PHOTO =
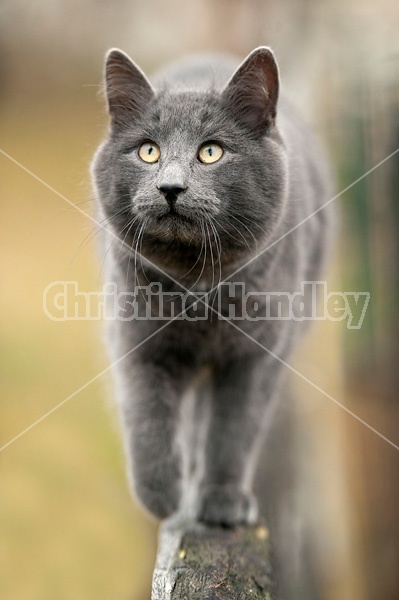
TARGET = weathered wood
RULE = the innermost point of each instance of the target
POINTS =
(210, 563)
(199, 562)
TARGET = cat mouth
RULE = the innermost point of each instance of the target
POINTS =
(175, 216)
(174, 225)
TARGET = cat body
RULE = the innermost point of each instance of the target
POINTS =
(204, 177)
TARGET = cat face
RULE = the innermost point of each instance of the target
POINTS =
(182, 169)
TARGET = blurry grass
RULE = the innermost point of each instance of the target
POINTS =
(70, 527)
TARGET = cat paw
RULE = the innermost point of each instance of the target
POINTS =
(227, 506)
(160, 498)
(159, 489)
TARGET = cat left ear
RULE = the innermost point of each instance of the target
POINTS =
(127, 88)
(252, 92)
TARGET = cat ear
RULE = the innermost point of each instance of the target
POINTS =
(252, 91)
(127, 88)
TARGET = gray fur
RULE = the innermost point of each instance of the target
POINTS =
(270, 177)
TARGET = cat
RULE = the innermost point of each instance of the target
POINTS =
(205, 176)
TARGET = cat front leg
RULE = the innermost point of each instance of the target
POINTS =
(241, 394)
(150, 418)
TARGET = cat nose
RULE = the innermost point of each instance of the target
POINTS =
(171, 192)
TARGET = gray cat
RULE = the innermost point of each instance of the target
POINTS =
(201, 179)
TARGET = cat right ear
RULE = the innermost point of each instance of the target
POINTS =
(127, 89)
(252, 92)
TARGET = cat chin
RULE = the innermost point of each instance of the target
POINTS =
(187, 263)
(173, 227)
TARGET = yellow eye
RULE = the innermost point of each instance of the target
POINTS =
(149, 152)
(210, 153)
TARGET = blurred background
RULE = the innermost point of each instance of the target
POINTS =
(68, 523)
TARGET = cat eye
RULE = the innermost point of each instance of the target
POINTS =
(210, 153)
(149, 152)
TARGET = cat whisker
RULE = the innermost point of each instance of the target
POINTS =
(249, 231)
(137, 253)
(219, 258)
(141, 250)
(128, 228)
(218, 246)
(232, 236)
(204, 258)
(198, 257)
(213, 266)
(211, 255)
(122, 242)
(91, 235)
(252, 222)
(134, 254)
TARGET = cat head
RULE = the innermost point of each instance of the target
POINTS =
(187, 173)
